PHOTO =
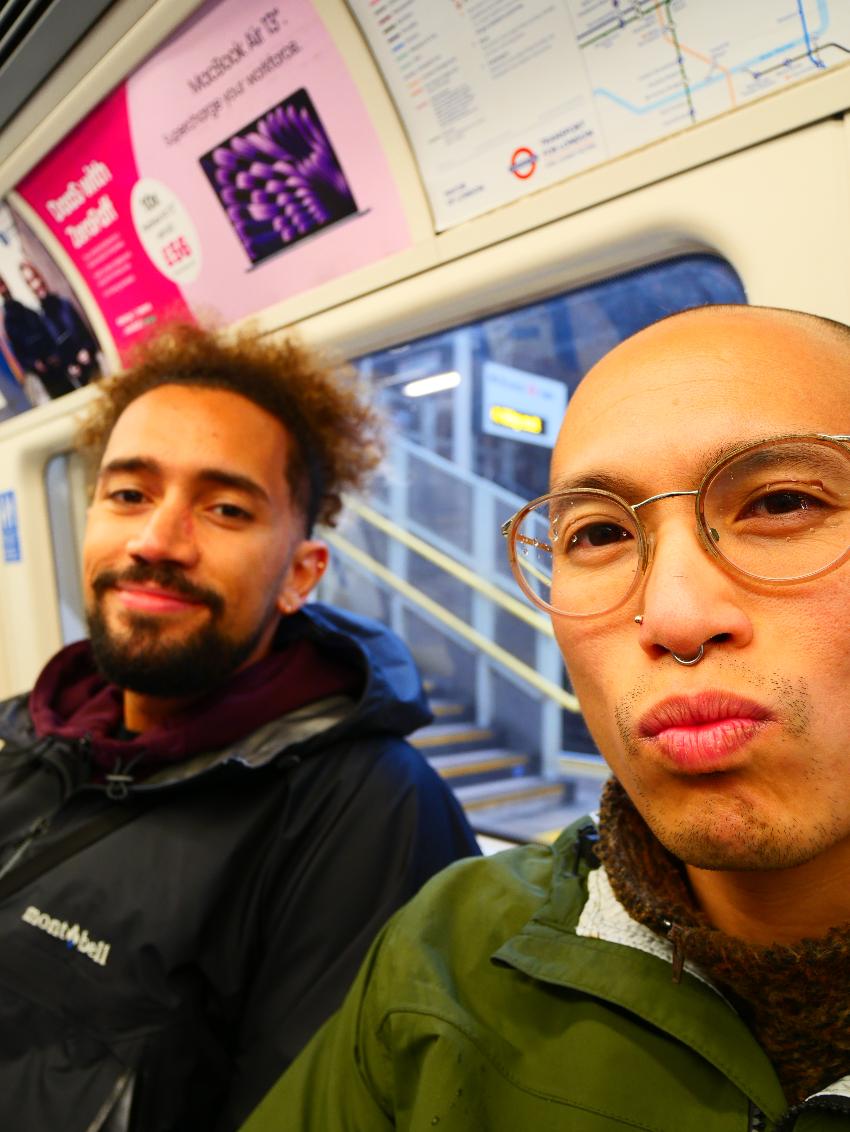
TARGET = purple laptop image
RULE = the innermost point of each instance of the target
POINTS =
(278, 178)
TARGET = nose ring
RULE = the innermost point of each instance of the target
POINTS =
(689, 660)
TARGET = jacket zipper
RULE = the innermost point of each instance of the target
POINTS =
(38, 828)
(757, 1121)
(41, 825)
(111, 1106)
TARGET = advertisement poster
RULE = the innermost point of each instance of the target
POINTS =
(235, 168)
(502, 97)
(47, 346)
(13, 400)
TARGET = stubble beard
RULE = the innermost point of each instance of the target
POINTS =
(140, 658)
(723, 832)
(728, 837)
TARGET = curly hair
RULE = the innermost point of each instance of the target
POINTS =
(336, 433)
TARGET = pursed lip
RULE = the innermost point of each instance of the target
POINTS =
(700, 733)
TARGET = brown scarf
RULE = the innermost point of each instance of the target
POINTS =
(795, 999)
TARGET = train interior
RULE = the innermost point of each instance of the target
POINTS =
(471, 315)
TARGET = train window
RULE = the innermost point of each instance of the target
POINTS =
(498, 421)
(475, 411)
(64, 480)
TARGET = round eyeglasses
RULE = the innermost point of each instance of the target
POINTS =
(776, 511)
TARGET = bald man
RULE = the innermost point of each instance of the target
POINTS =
(681, 961)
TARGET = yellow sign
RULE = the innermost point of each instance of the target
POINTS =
(516, 421)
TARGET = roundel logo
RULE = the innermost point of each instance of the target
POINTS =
(523, 162)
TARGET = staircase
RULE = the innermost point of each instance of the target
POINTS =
(505, 797)
(426, 557)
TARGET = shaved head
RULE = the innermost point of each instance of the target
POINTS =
(817, 323)
(693, 355)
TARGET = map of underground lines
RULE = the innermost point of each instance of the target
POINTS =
(502, 97)
(657, 67)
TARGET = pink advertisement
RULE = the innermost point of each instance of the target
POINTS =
(236, 168)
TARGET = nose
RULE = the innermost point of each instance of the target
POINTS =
(167, 534)
(687, 598)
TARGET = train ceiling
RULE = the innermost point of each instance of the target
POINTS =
(35, 36)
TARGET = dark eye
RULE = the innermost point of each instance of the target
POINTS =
(599, 534)
(231, 511)
(786, 502)
(127, 495)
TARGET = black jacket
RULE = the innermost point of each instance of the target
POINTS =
(28, 334)
(161, 977)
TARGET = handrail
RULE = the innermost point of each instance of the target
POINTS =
(512, 501)
(496, 652)
(513, 605)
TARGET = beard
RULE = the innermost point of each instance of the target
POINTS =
(139, 659)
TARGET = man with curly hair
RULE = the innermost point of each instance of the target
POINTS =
(208, 808)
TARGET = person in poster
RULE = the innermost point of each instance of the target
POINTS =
(46, 339)
(74, 340)
(34, 347)
(13, 400)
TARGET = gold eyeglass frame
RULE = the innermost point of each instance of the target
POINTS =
(705, 534)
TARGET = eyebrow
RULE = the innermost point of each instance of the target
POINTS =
(219, 476)
(601, 481)
(630, 489)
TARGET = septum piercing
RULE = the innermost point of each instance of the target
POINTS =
(689, 661)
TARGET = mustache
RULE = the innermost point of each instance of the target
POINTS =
(163, 574)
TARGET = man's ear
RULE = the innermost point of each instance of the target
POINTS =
(309, 562)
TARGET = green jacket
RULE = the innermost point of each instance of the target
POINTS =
(514, 993)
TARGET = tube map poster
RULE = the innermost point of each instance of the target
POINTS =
(502, 97)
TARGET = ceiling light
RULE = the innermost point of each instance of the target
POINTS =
(434, 384)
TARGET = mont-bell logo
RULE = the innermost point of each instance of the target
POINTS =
(72, 935)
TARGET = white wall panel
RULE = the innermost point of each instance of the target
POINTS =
(29, 610)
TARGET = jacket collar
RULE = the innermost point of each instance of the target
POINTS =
(604, 917)
(72, 701)
(295, 729)
(582, 939)
(390, 700)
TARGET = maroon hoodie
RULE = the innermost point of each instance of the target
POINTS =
(72, 700)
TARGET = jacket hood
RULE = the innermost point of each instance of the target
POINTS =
(393, 699)
(359, 678)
